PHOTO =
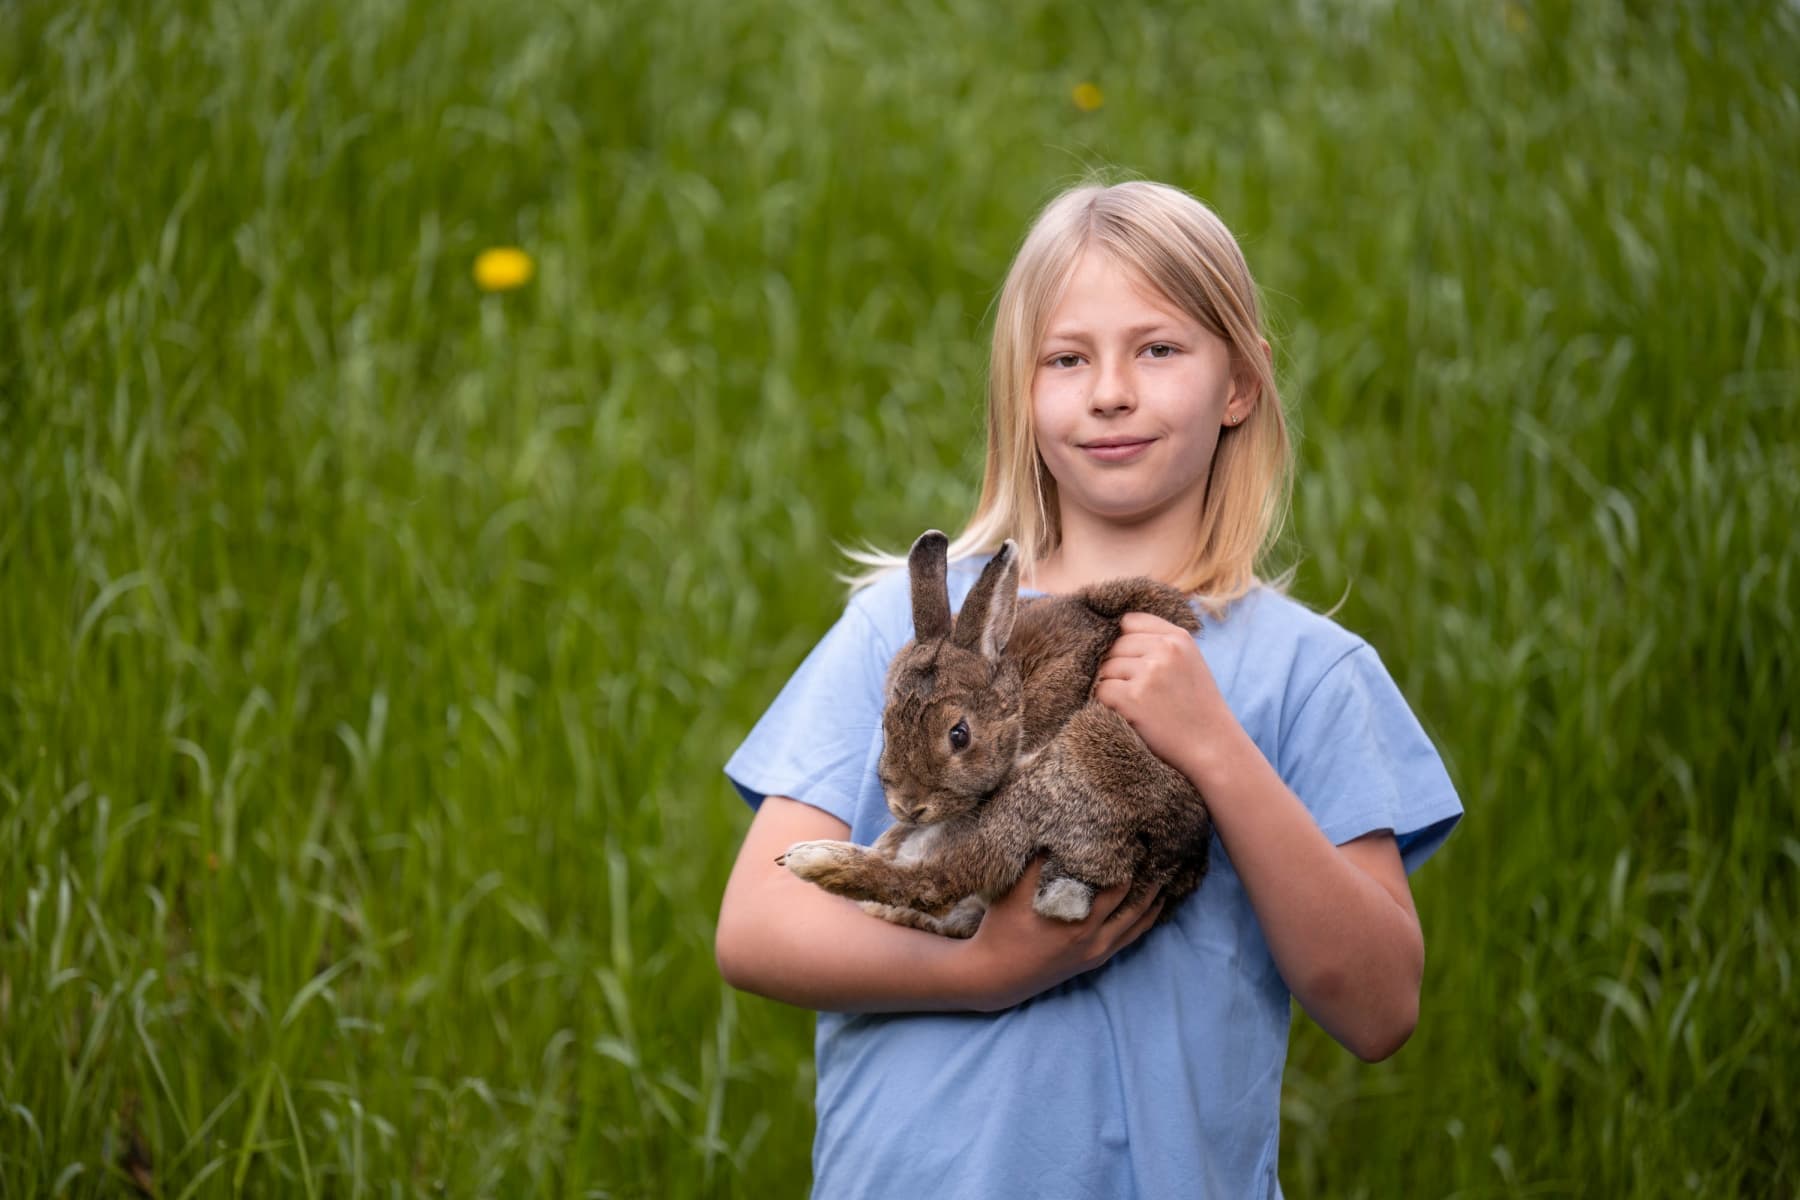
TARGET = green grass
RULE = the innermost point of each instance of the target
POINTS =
(369, 647)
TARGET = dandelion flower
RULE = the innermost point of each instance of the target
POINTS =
(1087, 97)
(502, 268)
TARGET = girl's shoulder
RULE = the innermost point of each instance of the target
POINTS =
(1273, 643)
(1275, 618)
(1321, 703)
(884, 601)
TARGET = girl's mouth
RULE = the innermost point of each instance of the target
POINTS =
(1118, 451)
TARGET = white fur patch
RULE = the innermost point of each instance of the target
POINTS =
(1064, 900)
(919, 845)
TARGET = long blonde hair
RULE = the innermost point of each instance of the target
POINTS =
(1177, 246)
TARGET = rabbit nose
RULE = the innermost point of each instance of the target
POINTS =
(903, 810)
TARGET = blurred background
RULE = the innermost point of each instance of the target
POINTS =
(372, 634)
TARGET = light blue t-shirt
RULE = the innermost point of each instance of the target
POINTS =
(1159, 1073)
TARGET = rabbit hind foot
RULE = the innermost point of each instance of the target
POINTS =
(960, 922)
(1064, 899)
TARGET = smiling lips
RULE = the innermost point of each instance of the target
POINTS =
(1116, 449)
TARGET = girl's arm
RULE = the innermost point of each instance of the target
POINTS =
(1339, 920)
(781, 937)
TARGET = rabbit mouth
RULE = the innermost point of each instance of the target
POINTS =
(912, 814)
(928, 811)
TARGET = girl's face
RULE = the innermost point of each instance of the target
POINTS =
(1128, 397)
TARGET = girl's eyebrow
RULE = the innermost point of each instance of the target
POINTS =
(1132, 334)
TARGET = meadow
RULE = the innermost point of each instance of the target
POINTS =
(370, 644)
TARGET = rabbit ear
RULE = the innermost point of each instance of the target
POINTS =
(986, 620)
(930, 593)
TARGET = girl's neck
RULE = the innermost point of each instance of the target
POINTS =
(1077, 563)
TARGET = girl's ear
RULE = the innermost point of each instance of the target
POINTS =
(1246, 386)
(930, 591)
(986, 620)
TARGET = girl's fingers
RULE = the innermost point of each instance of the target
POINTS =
(1137, 645)
(1143, 622)
(1145, 920)
(1113, 904)
(1109, 901)
(1114, 668)
(1130, 645)
(1130, 914)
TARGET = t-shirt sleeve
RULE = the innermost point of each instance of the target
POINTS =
(819, 740)
(1360, 761)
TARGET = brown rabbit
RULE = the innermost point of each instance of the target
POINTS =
(996, 751)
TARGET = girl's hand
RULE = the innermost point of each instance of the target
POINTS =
(1155, 677)
(1016, 953)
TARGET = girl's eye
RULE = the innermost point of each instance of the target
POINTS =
(1161, 346)
(1065, 359)
(959, 735)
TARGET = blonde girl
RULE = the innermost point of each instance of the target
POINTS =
(1133, 428)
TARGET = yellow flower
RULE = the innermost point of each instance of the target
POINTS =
(1087, 97)
(502, 268)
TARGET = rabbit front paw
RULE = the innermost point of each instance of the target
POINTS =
(826, 863)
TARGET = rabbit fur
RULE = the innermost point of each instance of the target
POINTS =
(995, 751)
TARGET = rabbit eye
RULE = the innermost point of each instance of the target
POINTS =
(959, 735)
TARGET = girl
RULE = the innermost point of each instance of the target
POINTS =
(1133, 429)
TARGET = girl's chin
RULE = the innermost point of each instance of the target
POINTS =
(1115, 511)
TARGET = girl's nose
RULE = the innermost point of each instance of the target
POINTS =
(1112, 392)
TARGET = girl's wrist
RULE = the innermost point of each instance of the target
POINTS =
(956, 973)
(1209, 762)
